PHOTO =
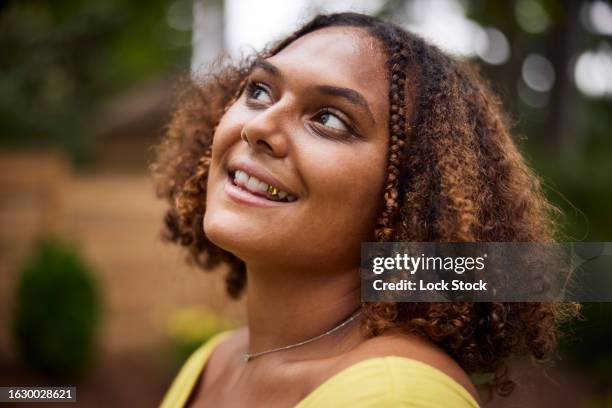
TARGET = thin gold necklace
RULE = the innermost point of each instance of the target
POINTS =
(249, 356)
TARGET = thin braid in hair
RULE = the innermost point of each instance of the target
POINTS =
(397, 133)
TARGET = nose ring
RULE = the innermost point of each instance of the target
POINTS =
(243, 136)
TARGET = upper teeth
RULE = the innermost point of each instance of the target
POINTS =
(254, 183)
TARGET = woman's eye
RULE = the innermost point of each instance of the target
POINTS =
(259, 93)
(330, 120)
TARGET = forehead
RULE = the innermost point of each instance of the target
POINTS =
(339, 56)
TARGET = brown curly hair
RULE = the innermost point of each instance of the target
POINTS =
(454, 174)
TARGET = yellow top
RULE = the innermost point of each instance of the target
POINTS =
(375, 382)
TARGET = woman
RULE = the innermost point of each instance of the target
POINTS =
(349, 130)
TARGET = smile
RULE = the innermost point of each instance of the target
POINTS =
(251, 185)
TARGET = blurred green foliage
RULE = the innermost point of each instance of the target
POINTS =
(61, 58)
(578, 180)
(57, 311)
(587, 345)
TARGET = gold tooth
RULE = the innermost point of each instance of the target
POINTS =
(272, 190)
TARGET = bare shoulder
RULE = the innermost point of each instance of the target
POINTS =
(236, 339)
(224, 355)
(412, 347)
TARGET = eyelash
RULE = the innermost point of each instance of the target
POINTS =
(253, 86)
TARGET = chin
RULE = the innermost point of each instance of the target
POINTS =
(231, 234)
(218, 232)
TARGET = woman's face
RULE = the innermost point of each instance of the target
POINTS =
(302, 186)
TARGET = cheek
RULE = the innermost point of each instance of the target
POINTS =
(227, 135)
(227, 131)
(216, 219)
(347, 188)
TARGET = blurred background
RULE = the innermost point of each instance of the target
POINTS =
(90, 296)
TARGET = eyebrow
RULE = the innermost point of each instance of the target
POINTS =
(268, 67)
(351, 95)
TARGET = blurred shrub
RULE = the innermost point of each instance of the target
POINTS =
(57, 311)
(188, 328)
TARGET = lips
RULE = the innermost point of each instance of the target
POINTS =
(250, 179)
(260, 188)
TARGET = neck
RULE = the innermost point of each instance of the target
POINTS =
(286, 308)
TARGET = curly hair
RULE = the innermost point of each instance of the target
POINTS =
(454, 175)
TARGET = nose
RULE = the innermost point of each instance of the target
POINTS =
(266, 133)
